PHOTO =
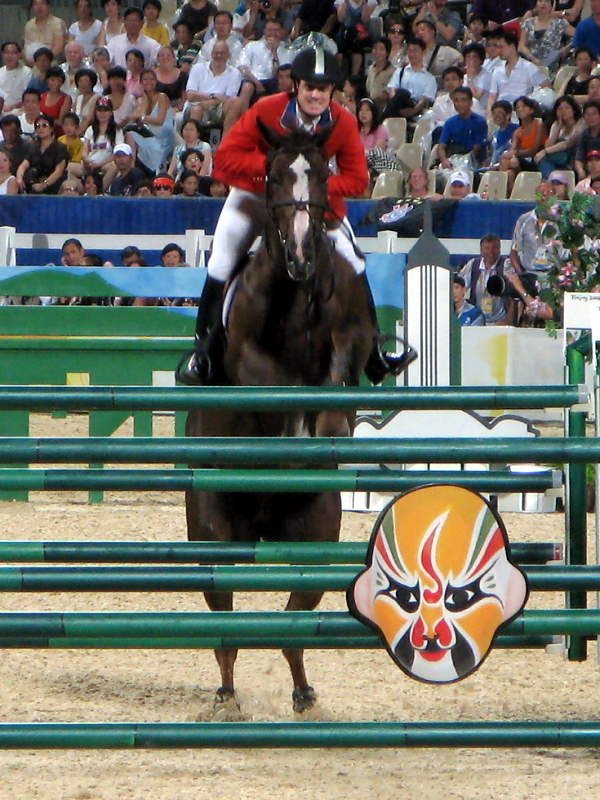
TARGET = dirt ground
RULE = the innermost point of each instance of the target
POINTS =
(162, 686)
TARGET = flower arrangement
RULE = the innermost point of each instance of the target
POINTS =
(571, 233)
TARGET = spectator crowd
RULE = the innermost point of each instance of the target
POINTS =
(133, 104)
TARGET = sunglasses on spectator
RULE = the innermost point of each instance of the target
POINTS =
(43, 125)
(160, 188)
(396, 30)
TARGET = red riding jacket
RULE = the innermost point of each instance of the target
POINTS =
(241, 158)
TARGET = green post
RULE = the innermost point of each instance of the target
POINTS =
(576, 494)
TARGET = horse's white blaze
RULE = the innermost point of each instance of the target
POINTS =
(300, 167)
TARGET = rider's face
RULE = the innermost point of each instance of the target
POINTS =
(314, 98)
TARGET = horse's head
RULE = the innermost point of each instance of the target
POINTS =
(297, 175)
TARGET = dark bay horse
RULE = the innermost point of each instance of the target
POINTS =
(299, 317)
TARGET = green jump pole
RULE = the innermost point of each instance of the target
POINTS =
(223, 578)
(368, 642)
(555, 622)
(288, 398)
(252, 451)
(295, 735)
(170, 480)
(227, 552)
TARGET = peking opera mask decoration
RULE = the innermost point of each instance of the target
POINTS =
(439, 582)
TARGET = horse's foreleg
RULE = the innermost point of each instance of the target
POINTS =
(304, 696)
(223, 601)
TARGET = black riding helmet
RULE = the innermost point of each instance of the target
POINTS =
(316, 65)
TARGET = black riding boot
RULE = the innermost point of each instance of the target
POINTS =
(200, 367)
(380, 363)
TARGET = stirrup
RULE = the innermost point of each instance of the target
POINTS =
(381, 363)
(187, 371)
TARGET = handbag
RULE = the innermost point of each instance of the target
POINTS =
(143, 130)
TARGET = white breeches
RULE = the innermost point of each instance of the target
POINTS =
(242, 220)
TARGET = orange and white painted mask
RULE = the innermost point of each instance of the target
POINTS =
(439, 582)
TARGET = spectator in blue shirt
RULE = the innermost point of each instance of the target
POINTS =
(587, 33)
(467, 313)
(502, 136)
(466, 132)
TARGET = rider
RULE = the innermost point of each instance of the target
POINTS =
(240, 161)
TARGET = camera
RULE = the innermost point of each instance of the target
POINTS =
(499, 286)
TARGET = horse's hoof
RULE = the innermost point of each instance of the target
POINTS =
(303, 699)
(225, 695)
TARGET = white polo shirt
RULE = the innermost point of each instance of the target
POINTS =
(418, 84)
(122, 44)
(524, 78)
(203, 80)
(13, 83)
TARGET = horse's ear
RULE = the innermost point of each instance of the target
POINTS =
(323, 134)
(269, 134)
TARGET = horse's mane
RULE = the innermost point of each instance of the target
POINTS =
(299, 141)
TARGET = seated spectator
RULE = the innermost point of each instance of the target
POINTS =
(590, 170)
(8, 182)
(100, 140)
(85, 101)
(135, 261)
(380, 72)
(590, 137)
(578, 85)
(397, 35)
(476, 274)
(222, 33)
(353, 89)
(258, 14)
(14, 145)
(44, 30)
(44, 169)
(132, 39)
(476, 77)
(517, 77)
(595, 185)
(71, 187)
(437, 57)
(412, 88)
(463, 133)
(14, 77)
(475, 31)
(42, 61)
(101, 65)
(86, 31)
(184, 36)
(542, 35)
(443, 107)
(588, 31)
(135, 67)
(528, 251)
(493, 46)
(74, 55)
(559, 149)
(499, 13)
(126, 181)
(163, 185)
(211, 93)
(417, 185)
(55, 102)
(92, 184)
(152, 27)
(461, 186)
(113, 22)
(210, 187)
(352, 37)
(171, 80)
(503, 135)
(153, 137)
(528, 140)
(191, 160)
(130, 255)
(145, 189)
(73, 143)
(560, 184)
(285, 82)
(319, 16)
(173, 256)
(447, 24)
(372, 134)
(123, 103)
(467, 313)
(188, 184)
(198, 14)
(258, 63)
(191, 132)
(30, 112)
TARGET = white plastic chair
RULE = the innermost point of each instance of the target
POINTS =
(396, 128)
(494, 184)
(388, 184)
(525, 185)
(410, 156)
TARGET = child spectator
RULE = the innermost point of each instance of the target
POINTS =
(72, 142)
(92, 184)
(163, 185)
(505, 129)
(145, 189)
(188, 184)
(152, 27)
(475, 30)
(190, 133)
(467, 313)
